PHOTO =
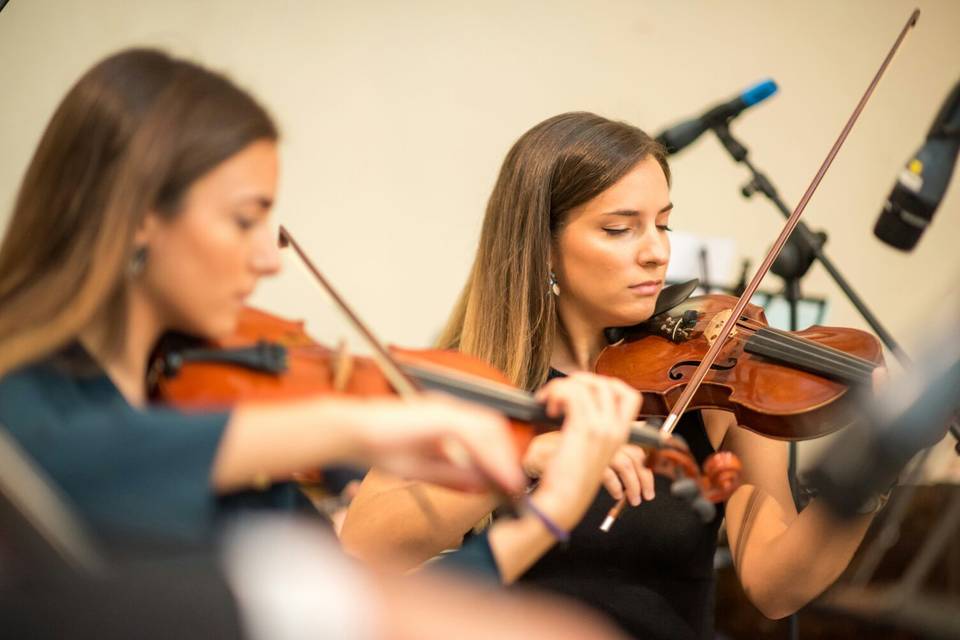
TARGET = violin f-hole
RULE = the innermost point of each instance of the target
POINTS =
(676, 371)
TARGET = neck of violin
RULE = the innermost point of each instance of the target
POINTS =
(781, 346)
(518, 405)
(513, 403)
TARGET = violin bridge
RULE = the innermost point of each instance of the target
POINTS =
(342, 367)
(712, 331)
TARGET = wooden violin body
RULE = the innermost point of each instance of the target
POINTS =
(269, 359)
(786, 385)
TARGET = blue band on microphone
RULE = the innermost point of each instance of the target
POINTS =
(758, 92)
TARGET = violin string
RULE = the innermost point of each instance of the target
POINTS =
(792, 356)
(825, 360)
(800, 351)
(481, 386)
(755, 324)
(790, 353)
(808, 347)
(477, 386)
(824, 350)
(817, 348)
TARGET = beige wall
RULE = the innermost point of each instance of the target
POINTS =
(396, 116)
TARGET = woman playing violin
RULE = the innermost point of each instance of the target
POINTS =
(145, 210)
(576, 240)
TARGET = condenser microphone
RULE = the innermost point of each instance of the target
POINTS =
(922, 183)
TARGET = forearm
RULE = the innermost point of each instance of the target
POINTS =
(271, 442)
(795, 565)
(423, 522)
(518, 543)
(402, 524)
(784, 559)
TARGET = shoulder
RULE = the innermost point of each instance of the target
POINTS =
(29, 390)
(36, 405)
(49, 376)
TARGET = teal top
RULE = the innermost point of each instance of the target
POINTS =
(128, 472)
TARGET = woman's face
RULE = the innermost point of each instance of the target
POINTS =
(611, 257)
(204, 262)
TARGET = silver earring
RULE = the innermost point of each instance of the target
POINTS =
(137, 262)
(554, 288)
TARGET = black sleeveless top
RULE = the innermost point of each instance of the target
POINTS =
(653, 572)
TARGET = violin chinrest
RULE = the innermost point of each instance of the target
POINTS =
(669, 297)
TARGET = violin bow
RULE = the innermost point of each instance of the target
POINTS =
(696, 378)
(402, 383)
(409, 379)
(701, 371)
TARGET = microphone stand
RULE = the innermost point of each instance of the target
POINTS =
(811, 243)
(806, 246)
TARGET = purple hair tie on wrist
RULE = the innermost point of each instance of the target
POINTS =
(555, 530)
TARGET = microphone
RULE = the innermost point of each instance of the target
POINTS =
(922, 183)
(680, 135)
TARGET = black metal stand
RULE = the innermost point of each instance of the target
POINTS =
(759, 183)
(812, 244)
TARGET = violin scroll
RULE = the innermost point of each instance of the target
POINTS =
(700, 489)
(721, 475)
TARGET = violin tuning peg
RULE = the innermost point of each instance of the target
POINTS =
(705, 509)
(685, 489)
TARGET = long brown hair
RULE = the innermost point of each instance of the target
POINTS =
(130, 137)
(505, 314)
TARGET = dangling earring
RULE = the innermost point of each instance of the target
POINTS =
(554, 288)
(137, 262)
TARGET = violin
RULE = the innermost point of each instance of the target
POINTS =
(269, 358)
(789, 385)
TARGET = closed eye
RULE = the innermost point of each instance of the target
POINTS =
(245, 223)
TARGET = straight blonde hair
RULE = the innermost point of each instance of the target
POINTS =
(506, 314)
